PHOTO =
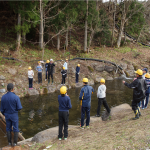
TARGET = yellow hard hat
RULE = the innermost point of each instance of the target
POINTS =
(29, 67)
(39, 62)
(66, 59)
(139, 72)
(102, 80)
(64, 68)
(47, 61)
(85, 80)
(78, 65)
(147, 75)
(63, 90)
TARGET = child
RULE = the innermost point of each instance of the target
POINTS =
(64, 106)
(101, 95)
(147, 79)
(46, 69)
(30, 77)
(77, 72)
(51, 66)
(64, 75)
(66, 65)
(39, 69)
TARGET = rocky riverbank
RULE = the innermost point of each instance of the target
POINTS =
(93, 70)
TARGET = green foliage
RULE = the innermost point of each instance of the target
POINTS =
(123, 49)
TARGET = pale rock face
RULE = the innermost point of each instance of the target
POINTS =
(12, 71)
(2, 77)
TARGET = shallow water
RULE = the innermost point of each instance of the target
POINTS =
(41, 112)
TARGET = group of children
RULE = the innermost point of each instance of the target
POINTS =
(49, 70)
(85, 99)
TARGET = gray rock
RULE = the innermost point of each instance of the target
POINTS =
(91, 82)
(2, 90)
(124, 66)
(59, 86)
(118, 111)
(98, 79)
(51, 88)
(93, 119)
(77, 85)
(109, 68)
(12, 71)
(130, 67)
(2, 84)
(130, 73)
(32, 92)
(99, 68)
(2, 77)
(109, 78)
(47, 134)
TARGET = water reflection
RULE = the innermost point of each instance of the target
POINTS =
(41, 112)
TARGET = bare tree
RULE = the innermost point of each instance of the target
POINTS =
(18, 33)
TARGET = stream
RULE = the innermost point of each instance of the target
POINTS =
(41, 112)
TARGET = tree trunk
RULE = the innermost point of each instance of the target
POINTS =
(19, 33)
(41, 26)
(113, 28)
(91, 38)
(85, 35)
(121, 30)
(58, 42)
(67, 38)
(23, 33)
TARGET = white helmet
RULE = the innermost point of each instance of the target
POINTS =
(51, 59)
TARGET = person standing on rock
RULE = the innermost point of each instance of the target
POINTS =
(46, 69)
(30, 77)
(101, 95)
(64, 75)
(10, 105)
(77, 72)
(39, 69)
(85, 97)
(64, 106)
(51, 66)
(139, 87)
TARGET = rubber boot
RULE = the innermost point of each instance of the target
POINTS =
(136, 114)
(15, 138)
(139, 111)
(48, 81)
(52, 81)
(9, 137)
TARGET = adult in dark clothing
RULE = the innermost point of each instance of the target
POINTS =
(77, 72)
(139, 87)
(85, 97)
(50, 70)
(46, 69)
(64, 75)
(64, 106)
(10, 105)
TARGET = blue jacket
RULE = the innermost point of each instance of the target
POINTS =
(148, 85)
(39, 68)
(77, 69)
(64, 103)
(85, 95)
(10, 103)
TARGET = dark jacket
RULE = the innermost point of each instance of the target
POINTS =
(77, 70)
(51, 67)
(85, 95)
(46, 66)
(64, 73)
(64, 103)
(139, 87)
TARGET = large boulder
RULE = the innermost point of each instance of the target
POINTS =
(12, 71)
(77, 85)
(130, 67)
(91, 82)
(51, 88)
(109, 68)
(97, 79)
(47, 134)
(117, 112)
(109, 78)
(32, 92)
(130, 73)
(124, 66)
(2, 77)
(99, 68)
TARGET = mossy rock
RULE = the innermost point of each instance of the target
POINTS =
(90, 68)
(45, 91)
(135, 67)
(127, 74)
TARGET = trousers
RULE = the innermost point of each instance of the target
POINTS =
(30, 82)
(87, 111)
(63, 121)
(39, 77)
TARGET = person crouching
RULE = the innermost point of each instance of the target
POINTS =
(64, 106)
(30, 77)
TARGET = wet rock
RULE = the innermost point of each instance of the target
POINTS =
(47, 134)
(12, 71)
(77, 85)
(2, 77)
(117, 112)
(109, 78)
(109, 68)
(99, 68)
(32, 92)
(51, 88)
(2, 90)
(59, 86)
(97, 80)
(130, 73)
